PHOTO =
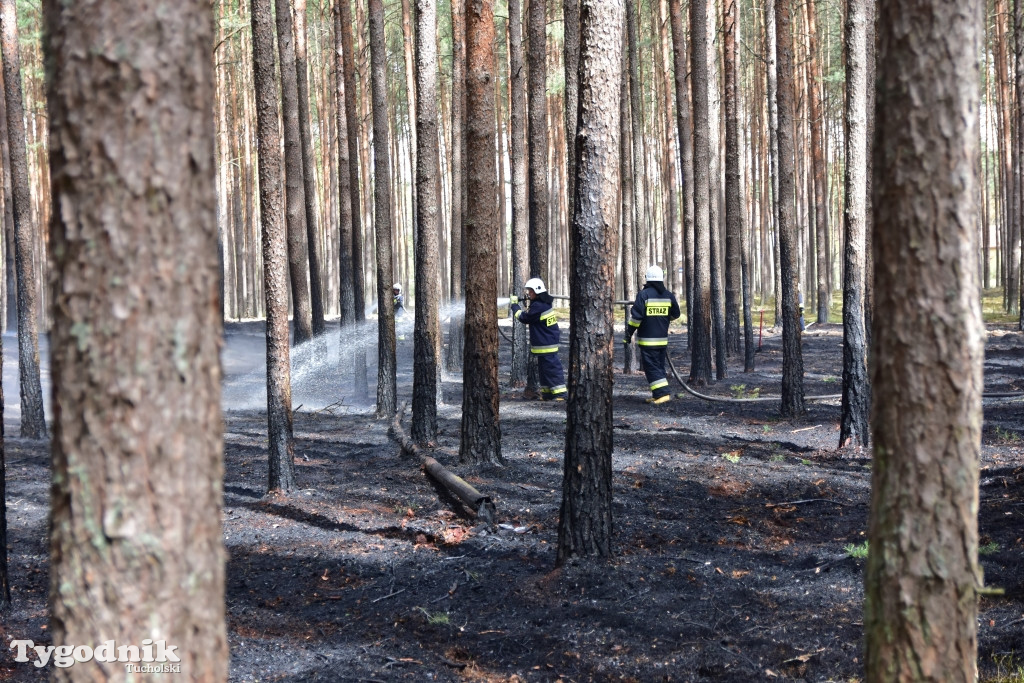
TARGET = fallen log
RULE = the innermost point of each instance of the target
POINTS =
(455, 485)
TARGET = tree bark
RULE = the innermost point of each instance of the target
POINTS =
(312, 201)
(571, 59)
(295, 198)
(427, 330)
(679, 52)
(792, 354)
(641, 228)
(281, 446)
(700, 325)
(538, 137)
(387, 388)
(734, 227)
(520, 207)
(348, 202)
(355, 198)
(772, 50)
(456, 327)
(819, 167)
(1018, 57)
(585, 520)
(33, 421)
(630, 270)
(481, 433)
(922, 575)
(853, 423)
(137, 550)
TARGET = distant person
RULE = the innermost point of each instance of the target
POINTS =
(544, 338)
(399, 300)
(800, 301)
(654, 308)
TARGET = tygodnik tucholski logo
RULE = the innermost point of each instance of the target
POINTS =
(151, 657)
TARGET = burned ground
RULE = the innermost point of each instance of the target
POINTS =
(731, 532)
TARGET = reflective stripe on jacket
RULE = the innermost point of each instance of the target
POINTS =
(651, 313)
(543, 322)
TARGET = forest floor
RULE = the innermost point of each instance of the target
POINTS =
(731, 529)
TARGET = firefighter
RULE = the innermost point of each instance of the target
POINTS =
(654, 307)
(544, 337)
(398, 300)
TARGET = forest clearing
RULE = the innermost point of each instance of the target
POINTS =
(733, 537)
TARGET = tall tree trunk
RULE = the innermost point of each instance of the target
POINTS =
(10, 295)
(295, 187)
(137, 452)
(585, 520)
(630, 270)
(33, 421)
(700, 325)
(1018, 60)
(312, 201)
(853, 423)
(772, 50)
(679, 55)
(355, 196)
(348, 197)
(715, 198)
(571, 59)
(275, 254)
(520, 216)
(792, 354)
(427, 331)
(820, 170)
(481, 434)
(538, 137)
(387, 388)
(923, 576)
(456, 328)
(641, 228)
(733, 200)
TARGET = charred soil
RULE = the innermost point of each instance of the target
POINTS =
(733, 532)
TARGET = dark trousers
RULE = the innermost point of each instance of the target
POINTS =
(552, 379)
(653, 358)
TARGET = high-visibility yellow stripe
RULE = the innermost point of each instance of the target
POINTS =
(634, 323)
(659, 384)
(518, 313)
(544, 349)
(652, 341)
(560, 389)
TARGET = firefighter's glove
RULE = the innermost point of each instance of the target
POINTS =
(513, 299)
(515, 308)
(627, 339)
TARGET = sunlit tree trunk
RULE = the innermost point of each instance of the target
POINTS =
(923, 575)
(427, 331)
(135, 533)
(792, 354)
(853, 424)
(517, 158)
(585, 519)
(295, 192)
(456, 338)
(481, 434)
(734, 204)
(386, 372)
(538, 138)
(700, 325)
(679, 56)
(33, 421)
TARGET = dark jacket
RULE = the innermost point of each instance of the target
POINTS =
(543, 322)
(654, 307)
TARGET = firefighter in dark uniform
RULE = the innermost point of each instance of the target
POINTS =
(544, 338)
(654, 307)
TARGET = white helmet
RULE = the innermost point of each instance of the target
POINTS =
(654, 274)
(536, 284)
(397, 286)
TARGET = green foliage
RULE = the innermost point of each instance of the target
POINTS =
(1009, 669)
(439, 619)
(1006, 436)
(858, 552)
(740, 391)
(733, 457)
(988, 548)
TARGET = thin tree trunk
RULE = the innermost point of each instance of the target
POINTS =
(641, 228)
(538, 138)
(348, 200)
(923, 576)
(456, 327)
(387, 388)
(355, 196)
(630, 270)
(585, 519)
(824, 293)
(137, 448)
(571, 59)
(679, 54)
(700, 325)
(734, 227)
(520, 218)
(10, 294)
(853, 424)
(312, 201)
(33, 421)
(772, 50)
(427, 331)
(1018, 182)
(792, 355)
(481, 434)
(295, 202)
